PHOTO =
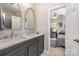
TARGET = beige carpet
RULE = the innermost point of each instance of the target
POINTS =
(58, 51)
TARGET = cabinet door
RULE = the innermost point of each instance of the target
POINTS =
(41, 46)
(33, 49)
(21, 52)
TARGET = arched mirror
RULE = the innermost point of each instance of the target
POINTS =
(10, 16)
(29, 19)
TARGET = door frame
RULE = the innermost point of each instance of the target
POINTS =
(54, 8)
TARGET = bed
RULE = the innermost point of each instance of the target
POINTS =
(61, 40)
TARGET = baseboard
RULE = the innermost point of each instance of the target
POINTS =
(45, 53)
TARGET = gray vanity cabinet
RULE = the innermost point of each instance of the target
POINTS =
(32, 47)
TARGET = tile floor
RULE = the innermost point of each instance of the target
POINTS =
(58, 51)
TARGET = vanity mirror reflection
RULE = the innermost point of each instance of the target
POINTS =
(29, 19)
(10, 16)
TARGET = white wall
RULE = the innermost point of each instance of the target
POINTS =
(42, 19)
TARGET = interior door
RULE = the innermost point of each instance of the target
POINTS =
(72, 29)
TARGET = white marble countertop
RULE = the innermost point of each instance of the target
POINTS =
(5, 43)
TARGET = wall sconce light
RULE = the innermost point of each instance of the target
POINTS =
(55, 15)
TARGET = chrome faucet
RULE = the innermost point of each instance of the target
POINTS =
(12, 33)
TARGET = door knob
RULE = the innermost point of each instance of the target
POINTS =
(77, 40)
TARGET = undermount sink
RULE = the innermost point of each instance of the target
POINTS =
(4, 37)
(18, 37)
(25, 35)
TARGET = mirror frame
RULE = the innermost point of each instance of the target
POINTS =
(26, 18)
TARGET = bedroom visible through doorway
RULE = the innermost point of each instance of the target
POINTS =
(57, 31)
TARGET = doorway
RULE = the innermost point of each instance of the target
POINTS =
(57, 31)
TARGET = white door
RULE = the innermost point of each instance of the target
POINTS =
(72, 29)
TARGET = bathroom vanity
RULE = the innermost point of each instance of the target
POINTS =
(32, 45)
